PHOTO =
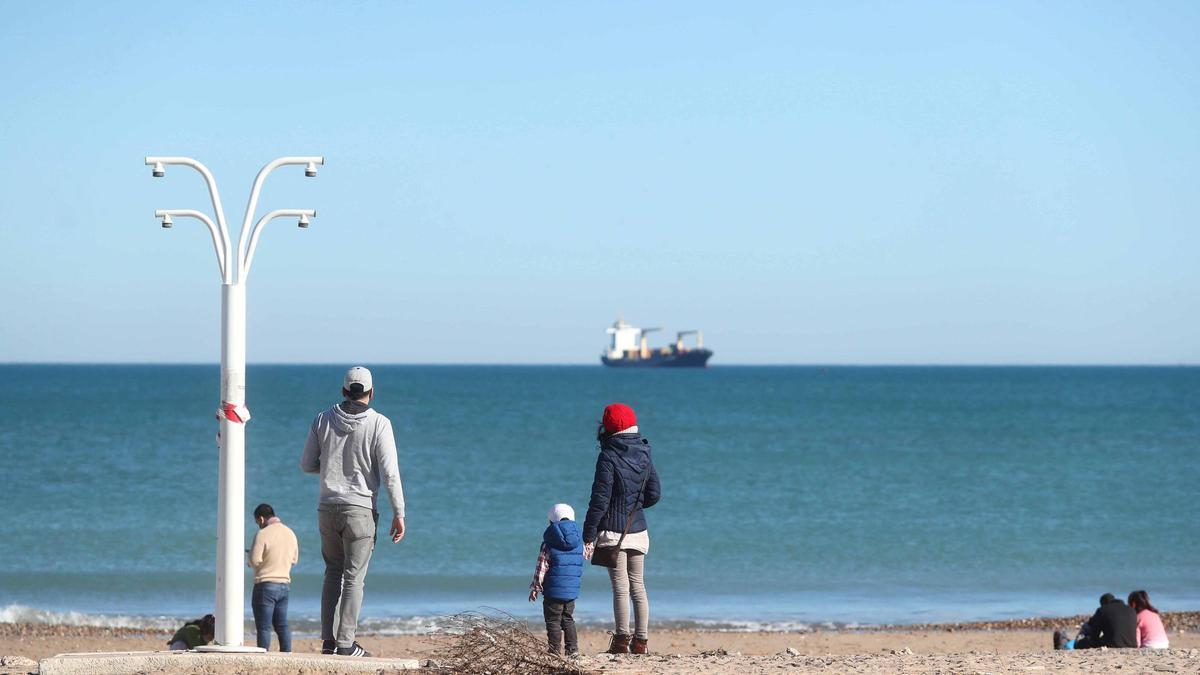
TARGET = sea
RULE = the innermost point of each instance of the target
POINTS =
(792, 497)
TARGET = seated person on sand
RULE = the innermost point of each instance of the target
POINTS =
(1150, 631)
(194, 634)
(1114, 624)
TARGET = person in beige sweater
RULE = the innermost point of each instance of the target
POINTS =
(272, 555)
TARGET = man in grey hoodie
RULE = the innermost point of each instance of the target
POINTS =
(353, 449)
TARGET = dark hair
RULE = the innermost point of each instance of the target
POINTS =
(602, 433)
(355, 392)
(1107, 598)
(1140, 600)
(264, 511)
(207, 624)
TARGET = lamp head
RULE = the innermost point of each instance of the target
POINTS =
(310, 170)
(303, 221)
(159, 171)
(166, 221)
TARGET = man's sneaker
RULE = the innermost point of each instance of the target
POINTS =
(355, 650)
(329, 646)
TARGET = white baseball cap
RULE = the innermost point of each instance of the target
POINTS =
(560, 511)
(358, 376)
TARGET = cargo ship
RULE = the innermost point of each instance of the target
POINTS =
(628, 349)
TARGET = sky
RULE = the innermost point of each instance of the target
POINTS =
(810, 183)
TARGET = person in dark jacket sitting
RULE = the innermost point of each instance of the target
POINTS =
(622, 468)
(557, 575)
(194, 634)
(1113, 625)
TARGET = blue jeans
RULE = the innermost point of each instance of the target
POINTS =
(269, 602)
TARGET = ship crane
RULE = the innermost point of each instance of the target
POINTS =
(645, 351)
(679, 339)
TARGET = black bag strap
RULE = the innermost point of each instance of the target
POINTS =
(636, 503)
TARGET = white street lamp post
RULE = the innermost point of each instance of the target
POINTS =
(235, 269)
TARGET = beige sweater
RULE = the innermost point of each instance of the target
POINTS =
(274, 552)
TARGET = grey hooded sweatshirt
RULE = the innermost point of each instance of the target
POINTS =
(352, 452)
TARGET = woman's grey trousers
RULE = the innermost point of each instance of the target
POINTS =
(627, 584)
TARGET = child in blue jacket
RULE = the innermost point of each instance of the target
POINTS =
(557, 576)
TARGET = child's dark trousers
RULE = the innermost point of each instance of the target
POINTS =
(560, 623)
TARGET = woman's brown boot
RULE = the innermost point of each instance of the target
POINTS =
(640, 646)
(619, 644)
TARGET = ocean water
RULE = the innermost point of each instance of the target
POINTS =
(792, 496)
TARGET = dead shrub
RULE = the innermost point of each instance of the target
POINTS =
(493, 642)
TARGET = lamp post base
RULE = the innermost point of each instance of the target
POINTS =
(231, 649)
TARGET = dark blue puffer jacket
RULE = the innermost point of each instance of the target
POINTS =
(623, 462)
(565, 544)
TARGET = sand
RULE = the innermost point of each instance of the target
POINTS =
(1004, 647)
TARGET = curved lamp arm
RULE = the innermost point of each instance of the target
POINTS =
(158, 162)
(245, 263)
(252, 203)
(220, 238)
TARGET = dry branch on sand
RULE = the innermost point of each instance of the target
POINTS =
(495, 643)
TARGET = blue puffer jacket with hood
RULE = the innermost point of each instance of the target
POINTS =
(623, 462)
(565, 544)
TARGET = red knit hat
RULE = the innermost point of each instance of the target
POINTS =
(618, 416)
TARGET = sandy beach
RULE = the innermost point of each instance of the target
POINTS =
(1008, 646)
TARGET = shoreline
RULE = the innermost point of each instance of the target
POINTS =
(1175, 622)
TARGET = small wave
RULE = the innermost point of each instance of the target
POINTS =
(23, 614)
(738, 626)
(419, 625)
(310, 626)
(416, 625)
(303, 626)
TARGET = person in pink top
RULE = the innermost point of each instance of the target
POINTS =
(1150, 631)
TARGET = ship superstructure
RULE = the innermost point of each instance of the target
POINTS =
(629, 348)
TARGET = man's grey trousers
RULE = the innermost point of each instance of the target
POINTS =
(347, 541)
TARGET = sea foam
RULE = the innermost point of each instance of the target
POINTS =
(15, 613)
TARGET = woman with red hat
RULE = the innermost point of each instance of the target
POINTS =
(624, 485)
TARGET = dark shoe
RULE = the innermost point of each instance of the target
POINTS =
(1060, 639)
(639, 646)
(619, 644)
(328, 646)
(354, 650)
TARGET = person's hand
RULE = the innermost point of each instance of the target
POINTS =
(397, 529)
(588, 549)
(532, 596)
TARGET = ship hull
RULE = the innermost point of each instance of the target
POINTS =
(693, 358)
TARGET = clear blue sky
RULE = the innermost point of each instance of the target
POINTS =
(809, 183)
